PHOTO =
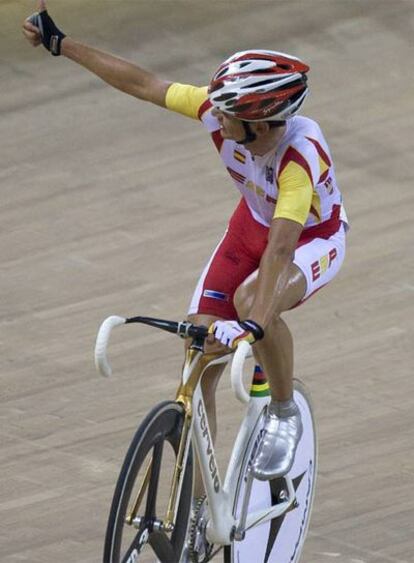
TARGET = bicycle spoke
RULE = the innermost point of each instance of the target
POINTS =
(153, 480)
(137, 544)
(162, 547)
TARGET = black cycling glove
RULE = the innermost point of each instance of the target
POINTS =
(51, 35)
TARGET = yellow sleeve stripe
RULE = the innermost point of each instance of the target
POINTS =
(323, 168)
(316, 206)
(185, 99)
(295, 193)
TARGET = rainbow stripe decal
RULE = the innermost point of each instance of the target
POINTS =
(259, 386)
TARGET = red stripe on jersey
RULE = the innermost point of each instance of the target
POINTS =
(238, 177)
(324, 230)
(321, 152)
(204, 107)
(292, 154)
(324, 176)
(217, 139)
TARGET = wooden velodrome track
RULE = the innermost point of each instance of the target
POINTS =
(111, 206)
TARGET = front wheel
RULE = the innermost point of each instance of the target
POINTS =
(281, 539)
(135, 529)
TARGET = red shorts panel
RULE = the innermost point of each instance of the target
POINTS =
(237, 256)
(239, 253)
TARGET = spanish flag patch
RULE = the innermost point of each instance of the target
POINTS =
(239, 156)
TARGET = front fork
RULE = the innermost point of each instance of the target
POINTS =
(167, 524)
(178, 475)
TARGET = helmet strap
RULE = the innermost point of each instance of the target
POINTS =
(249, 135)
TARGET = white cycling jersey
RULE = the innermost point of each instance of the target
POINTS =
(295, 180)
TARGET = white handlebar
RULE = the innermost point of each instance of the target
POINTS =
(244, 350)
(101, 359)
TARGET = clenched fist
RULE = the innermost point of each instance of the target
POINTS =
(40, 28)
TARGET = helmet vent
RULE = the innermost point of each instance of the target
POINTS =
(225, 97)
(260, 83)
(296, 83)
(222, 72)
(260, 71)
(284, 66)
(216, 86)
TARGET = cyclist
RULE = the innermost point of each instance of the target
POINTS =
(286, 238)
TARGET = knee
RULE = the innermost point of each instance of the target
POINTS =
(277, 330)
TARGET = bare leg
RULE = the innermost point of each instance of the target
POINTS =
(275, 352)
(283, 426)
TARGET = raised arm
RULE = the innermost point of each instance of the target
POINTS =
(117, 72)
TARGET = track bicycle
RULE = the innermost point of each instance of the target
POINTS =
(254, 521)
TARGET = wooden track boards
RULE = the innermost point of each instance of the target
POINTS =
(112, 206)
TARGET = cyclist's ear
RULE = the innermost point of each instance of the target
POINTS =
(260, 127)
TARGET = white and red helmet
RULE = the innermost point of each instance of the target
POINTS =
(259, 85)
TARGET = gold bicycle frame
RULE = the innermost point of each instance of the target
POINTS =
(197, 362)
(131, 516)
